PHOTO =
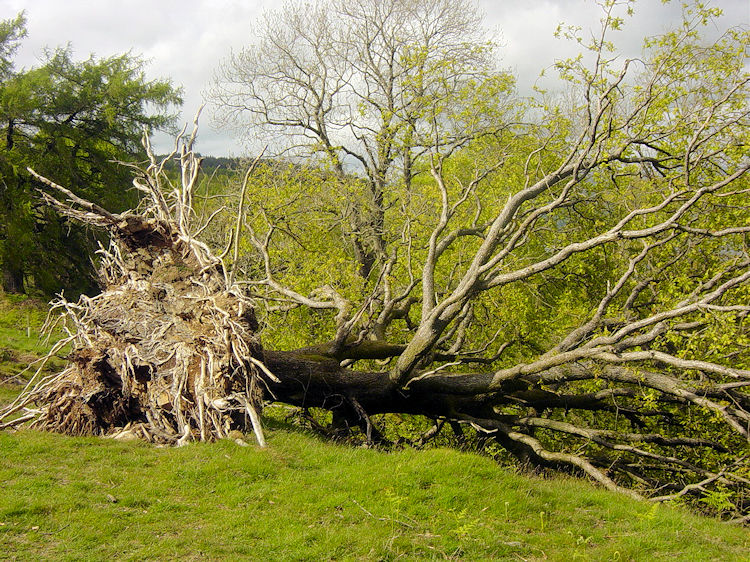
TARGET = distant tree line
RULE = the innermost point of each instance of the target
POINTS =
(209, 164)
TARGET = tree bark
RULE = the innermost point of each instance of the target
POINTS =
(308, 381)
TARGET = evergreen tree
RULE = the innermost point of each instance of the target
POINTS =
(74, 121)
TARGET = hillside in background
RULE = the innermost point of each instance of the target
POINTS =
(210, 164)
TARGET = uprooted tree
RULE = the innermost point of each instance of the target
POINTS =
(573, 287)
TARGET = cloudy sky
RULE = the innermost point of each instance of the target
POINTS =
(186, 39)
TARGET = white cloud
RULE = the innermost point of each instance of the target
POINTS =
(186, 39)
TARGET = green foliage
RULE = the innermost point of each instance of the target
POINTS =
(720, 500)
(71, 121)
(11, 33)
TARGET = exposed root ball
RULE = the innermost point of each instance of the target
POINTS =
(168, 351)
(164, 348)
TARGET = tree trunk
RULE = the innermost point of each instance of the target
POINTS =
(322, 383)
(12, 280)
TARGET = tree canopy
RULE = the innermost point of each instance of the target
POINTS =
(369, 86)
(74, 120)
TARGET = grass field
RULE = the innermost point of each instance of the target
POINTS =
(21, 320)
(303, 498)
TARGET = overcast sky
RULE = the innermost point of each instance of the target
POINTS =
(186, 39)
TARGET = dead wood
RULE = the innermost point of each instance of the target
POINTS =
(168, 351)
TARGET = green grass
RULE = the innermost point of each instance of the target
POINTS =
(21, 320)
(304, 499)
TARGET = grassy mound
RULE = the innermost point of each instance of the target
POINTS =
(304, 499)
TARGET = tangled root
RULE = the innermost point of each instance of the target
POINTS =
(169, 350)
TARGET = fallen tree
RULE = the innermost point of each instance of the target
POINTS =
(169, 352)
(647, 393)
